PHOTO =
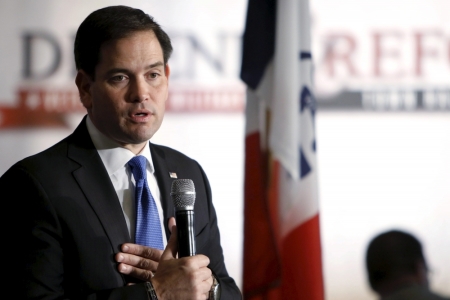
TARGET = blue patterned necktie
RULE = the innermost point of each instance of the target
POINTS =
(148, 227)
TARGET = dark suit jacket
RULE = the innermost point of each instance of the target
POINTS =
(71, 223)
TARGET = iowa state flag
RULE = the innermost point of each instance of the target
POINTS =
(282, 250)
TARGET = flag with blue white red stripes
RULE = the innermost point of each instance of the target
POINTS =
(282, 250)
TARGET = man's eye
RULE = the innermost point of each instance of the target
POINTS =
(153, 75)
(118, 78)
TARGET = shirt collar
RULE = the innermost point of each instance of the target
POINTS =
(113, 155)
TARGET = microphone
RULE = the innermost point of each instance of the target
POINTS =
(183, 196)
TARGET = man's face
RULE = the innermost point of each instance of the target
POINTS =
(126, 101)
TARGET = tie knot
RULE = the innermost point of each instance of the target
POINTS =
(138, 165)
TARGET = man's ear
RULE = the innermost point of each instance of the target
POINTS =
(83, 82)
(167, 71)
(422, 273)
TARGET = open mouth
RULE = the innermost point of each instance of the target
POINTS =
(141, 116)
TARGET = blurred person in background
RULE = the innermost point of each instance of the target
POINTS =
(397, 269)
(76, 236)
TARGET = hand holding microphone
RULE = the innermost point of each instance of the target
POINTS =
(183, 196)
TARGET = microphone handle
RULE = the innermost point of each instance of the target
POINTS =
(185, 230)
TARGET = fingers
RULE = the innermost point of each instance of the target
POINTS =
(142, 251)
(208, 284)
(204, 283)
(172, 244)
(142, 274)
(172, 223)
(196, 262)
(138, 261)
(202, 273)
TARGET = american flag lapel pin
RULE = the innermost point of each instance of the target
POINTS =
(173, 175)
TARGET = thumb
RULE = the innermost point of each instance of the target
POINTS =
(172, 244)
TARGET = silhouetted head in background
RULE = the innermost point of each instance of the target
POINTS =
(394, 260)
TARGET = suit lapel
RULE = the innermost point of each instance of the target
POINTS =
(95, 183)
(162, 169)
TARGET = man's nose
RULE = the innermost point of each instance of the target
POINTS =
(139, 90)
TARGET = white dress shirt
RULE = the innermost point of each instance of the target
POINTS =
(115, 159)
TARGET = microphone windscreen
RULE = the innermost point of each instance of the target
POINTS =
(183, 194)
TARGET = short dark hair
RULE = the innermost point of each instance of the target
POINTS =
(392, 254)
(113, 23)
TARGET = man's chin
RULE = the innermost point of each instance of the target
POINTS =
(140, 137)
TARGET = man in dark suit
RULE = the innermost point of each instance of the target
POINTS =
(75, 200)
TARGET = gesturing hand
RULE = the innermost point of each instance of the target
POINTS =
(138, 261)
